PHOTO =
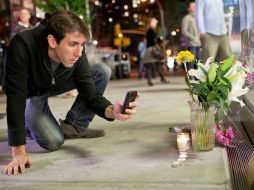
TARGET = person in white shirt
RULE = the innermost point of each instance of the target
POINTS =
(212, 29)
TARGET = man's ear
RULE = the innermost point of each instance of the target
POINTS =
(51, 41)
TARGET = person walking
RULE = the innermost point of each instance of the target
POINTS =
(159, 64)
(141, 53)
(212, 28)
(151, 40)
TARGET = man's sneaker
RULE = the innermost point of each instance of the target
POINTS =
(72, 132)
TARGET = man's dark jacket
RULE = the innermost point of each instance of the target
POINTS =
(28, 74)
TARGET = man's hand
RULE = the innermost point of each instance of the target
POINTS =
(129, 112)
(114, 112)
(19, 162)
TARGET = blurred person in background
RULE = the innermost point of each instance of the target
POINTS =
(212, 28)
(151, 40)
(190, 32)
(161, 62)
(247, 27)
(23, 23)
(141, 53)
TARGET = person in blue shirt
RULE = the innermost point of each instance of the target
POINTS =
(212, 28)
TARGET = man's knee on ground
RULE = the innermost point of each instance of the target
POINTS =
(104, 70)
(52, 143)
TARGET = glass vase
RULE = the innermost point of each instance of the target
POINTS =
(202, 116)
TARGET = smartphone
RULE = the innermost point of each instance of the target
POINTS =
(130, 97)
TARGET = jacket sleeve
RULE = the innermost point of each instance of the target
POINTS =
(16, 91)
(87, 89)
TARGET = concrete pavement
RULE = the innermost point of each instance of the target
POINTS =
(134, 155)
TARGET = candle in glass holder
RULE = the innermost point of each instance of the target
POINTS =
(183, 141)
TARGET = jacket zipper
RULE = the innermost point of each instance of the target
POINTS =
(53, 80)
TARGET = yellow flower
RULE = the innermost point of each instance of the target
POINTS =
(184, 57)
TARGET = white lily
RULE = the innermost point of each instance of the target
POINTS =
(237, 89)
(208, 63)
(235, 72)
(234, 94)
(199, 73)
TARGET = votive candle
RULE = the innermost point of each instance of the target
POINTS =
(183, 141)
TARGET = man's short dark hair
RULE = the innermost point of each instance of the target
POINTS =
(23, 8)
(62, 22)
(190, 2)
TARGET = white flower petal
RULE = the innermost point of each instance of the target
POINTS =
(209, 60)
(198, 73)
(237, 100)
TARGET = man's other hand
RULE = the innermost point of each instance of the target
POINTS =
(19, 162)
(17, 165)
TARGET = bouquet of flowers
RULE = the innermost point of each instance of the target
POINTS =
(216, 82)
(220, 82)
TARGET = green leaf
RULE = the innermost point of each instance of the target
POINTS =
(202, 98)
(200, 89)
(224, 72)
(223, 90)
(76, 6)
(221, 101)
(212, 73)
(210, 87)
(227, 63)
(226, 106)
(212, 96)
(227, 82)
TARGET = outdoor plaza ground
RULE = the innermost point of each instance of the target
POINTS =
(134, 155)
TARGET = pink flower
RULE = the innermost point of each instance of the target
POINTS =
(224, 135)
(229, 133)
(250, 78)
(226, 142)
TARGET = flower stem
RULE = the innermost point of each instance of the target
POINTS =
(188, 82)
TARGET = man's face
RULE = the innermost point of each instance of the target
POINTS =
(153, 23)
(70, 48)
(191, 8)
(24, 16)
